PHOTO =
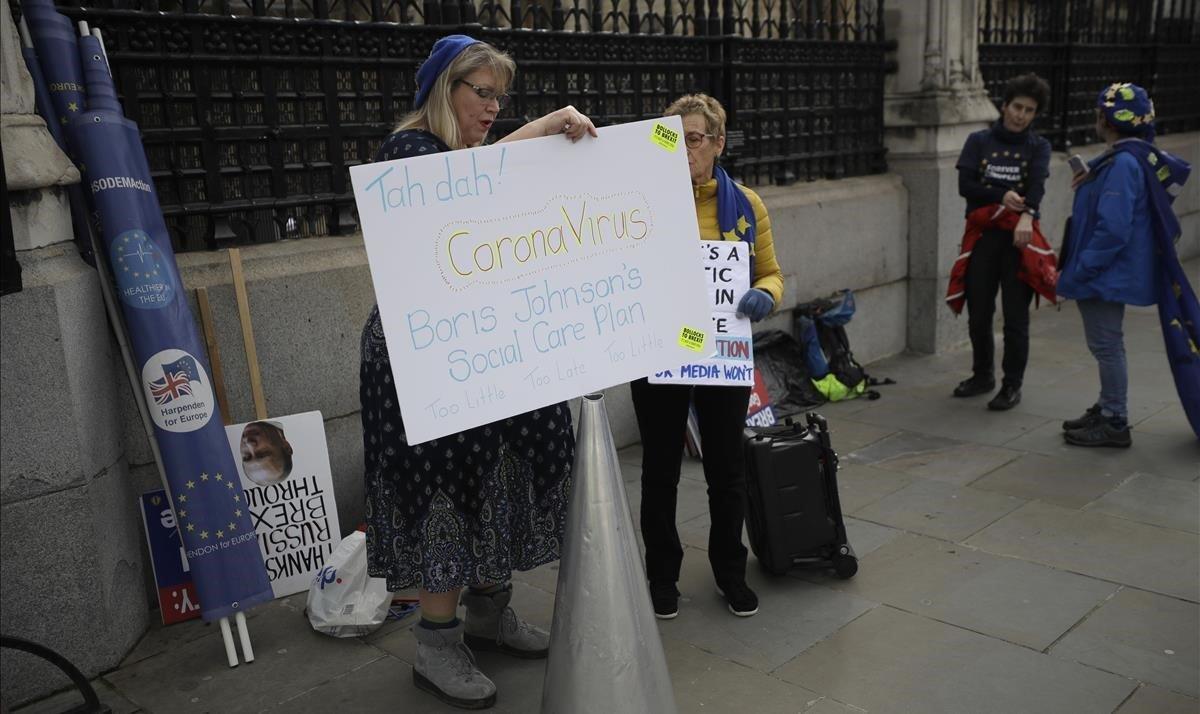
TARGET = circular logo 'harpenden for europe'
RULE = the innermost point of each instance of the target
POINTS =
(178, 391)
(143, 277)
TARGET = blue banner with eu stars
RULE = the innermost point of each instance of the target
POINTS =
(59, 92)
(210, 506)
(56, 42)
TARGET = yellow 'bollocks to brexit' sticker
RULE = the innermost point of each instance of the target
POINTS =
(691, 339)
(664, 137)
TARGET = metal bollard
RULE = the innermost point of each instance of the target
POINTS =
(605, 652)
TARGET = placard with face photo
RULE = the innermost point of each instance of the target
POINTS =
(284, 466)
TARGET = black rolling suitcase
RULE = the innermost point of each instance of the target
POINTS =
(794, 515)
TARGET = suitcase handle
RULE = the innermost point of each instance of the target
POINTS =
(819, 426)
(813, 419)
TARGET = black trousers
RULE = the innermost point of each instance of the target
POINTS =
(662, 412)
(993, 267)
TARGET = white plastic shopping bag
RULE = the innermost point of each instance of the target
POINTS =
(343, 600)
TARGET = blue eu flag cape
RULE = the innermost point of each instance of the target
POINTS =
(210, 507)
(1178, 310)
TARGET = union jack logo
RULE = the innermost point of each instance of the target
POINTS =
(172, 386)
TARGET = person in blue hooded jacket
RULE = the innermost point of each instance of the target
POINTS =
(1114, 254)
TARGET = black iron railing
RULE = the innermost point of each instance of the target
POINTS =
(253, 110)
(1082, 46)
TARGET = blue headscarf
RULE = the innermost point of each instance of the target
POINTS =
(1178, 310)
(735, 215)
(443, 53)
(1128, 108)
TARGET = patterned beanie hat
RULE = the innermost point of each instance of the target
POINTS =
(1128, 108)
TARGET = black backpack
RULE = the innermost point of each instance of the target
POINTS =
(836, 346)
(829, 316)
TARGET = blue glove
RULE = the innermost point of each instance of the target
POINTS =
(756, 304)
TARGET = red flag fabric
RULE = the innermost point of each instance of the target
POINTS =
(1039, 268)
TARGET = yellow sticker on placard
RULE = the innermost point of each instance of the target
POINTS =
(665, 137)
(691, 339)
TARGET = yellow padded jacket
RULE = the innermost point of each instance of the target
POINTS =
(767, 275)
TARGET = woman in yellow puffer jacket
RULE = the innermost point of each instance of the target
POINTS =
(725, 211)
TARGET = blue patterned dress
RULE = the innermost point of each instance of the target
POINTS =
(467, 508)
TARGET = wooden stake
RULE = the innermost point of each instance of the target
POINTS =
(214, 353)
(243, 303)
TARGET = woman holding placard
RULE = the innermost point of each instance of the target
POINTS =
(725, 211)
(462, 511)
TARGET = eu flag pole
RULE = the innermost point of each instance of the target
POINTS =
(201, 477)
(85, 234)
(54, 40)
(210, 506)
(59, 97)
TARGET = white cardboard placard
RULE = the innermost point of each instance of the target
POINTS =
(730, 362)
(517, 275)
(284, 467)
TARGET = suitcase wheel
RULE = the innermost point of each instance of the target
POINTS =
(845, 566)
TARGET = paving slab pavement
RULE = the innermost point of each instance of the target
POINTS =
(1008, 599)
(1155, 501)
(1151, 637)
(889, 660)
(1153, 558)
(1001, 571)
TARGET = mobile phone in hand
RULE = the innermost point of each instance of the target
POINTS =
(1077, 164)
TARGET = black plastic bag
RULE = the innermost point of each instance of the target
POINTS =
(780, 359)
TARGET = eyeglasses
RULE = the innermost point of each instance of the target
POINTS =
(487, 94)
(695, 139)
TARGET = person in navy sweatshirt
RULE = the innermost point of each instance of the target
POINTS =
(1003, 165)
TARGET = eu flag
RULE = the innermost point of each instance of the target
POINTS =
(218, 536)
(59, 93)
(185, 366)
(54, 38)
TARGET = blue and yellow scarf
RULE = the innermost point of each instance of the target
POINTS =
(735, 215)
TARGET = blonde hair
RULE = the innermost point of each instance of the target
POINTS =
(703, 105)
(437, 113)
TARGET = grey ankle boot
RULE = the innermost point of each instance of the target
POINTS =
(446, 669)
(492, 625)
